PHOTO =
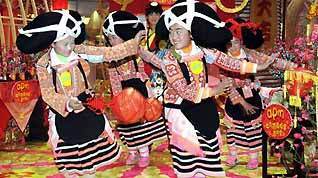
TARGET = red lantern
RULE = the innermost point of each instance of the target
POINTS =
(153, 109)
(59, 4)
(128, 106)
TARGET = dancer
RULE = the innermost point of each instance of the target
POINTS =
(82, 141)
(119, 27)
(192, 27)
(244, 106)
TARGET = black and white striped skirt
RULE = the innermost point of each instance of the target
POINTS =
(245, 136)
(137, 136)
(85, 154)
(86, 158)
(188, 165)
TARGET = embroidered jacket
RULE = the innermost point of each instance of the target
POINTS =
(258, 58)
(125, 71)
(58, 100)
(177, 85)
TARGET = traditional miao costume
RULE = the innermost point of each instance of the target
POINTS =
(192, 121)
(81, 142)
(246, 130)
(129, 72)
(152, 42)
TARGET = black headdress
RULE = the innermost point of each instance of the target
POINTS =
(122, 24)
(200, 19)
(50, 27)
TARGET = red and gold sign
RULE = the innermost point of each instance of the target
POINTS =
(19, 99)
(22, 92)
(277, 121)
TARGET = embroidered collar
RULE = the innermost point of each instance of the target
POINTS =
(56, 61)
(195, 53)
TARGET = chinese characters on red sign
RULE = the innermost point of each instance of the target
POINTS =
(277, 121)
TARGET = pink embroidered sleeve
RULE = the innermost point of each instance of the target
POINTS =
(117, 52)
(154, 60)
(235, 97)
(279, 63)
(141, 68)
(231, 64)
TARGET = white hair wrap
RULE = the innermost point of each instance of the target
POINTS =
(111, 27)
(170, 18)
(62, 30)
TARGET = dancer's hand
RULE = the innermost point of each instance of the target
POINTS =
(223, 87)
(249, 109)
(256, 122)
(145, 54)
(265, 65)
(110, 138)
(76, 105)
(140, 35)
(228, 122)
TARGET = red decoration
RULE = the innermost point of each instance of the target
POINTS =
(22, 92)
(96, 104)
(236, 27)
(59, 4)
(153, 109)
(304, 88)
(128, 106)
(277, 121)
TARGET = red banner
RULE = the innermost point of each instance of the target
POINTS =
(19, 99)
(277, 121)
(21, 91)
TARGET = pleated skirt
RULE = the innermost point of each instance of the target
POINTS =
(87, 157)
(245, 136)
(188, 165)
(136, 136)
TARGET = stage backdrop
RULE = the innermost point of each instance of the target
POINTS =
(135, 6)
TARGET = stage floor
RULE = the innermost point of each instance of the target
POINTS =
(35, 160)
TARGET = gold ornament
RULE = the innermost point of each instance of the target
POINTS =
(123, 3)
(312, 11)
(94, 26)
(231, 10)
(163, 44)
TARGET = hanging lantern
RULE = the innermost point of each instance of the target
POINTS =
(59, 4)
